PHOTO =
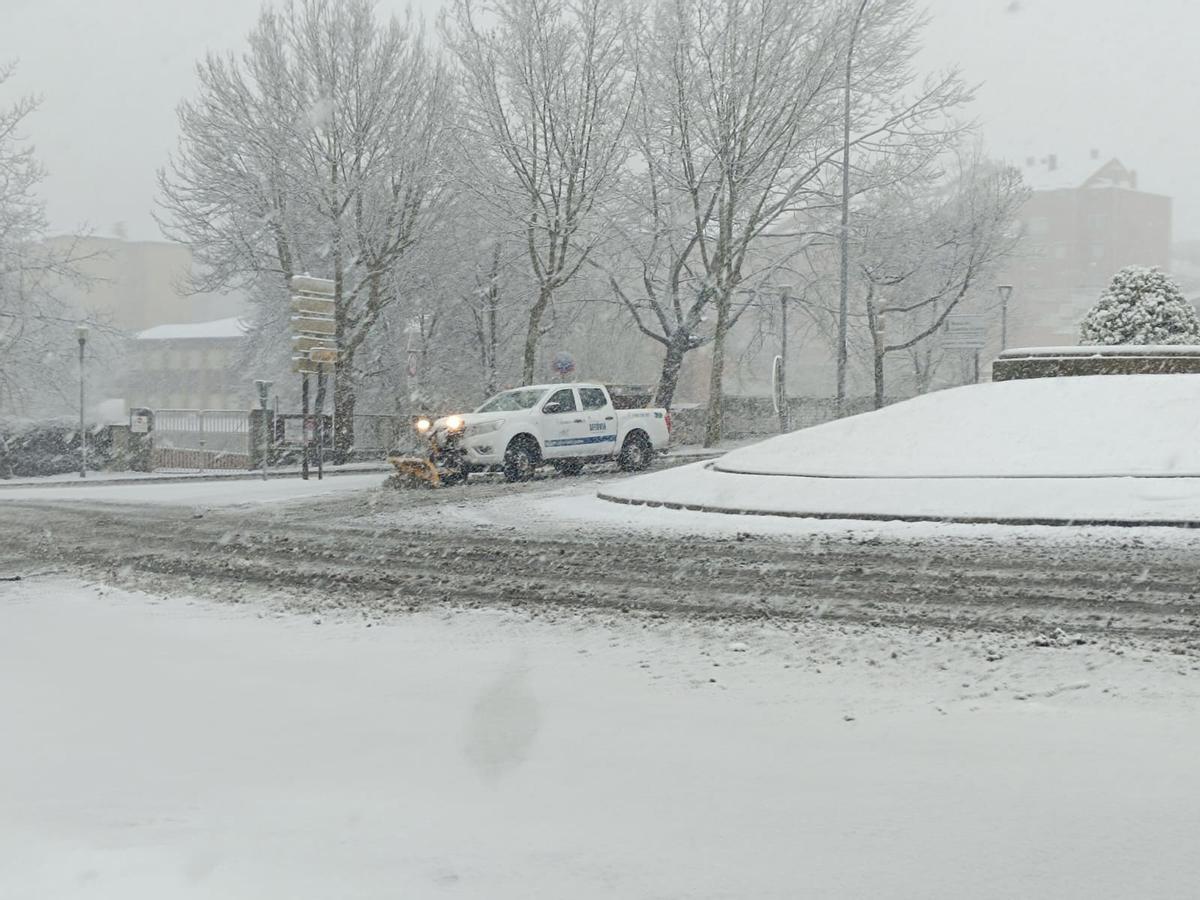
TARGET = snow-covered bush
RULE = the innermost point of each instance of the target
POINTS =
(1141, 306)
(29, 448)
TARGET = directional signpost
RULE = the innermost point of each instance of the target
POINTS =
(966, 331)
(314, 350)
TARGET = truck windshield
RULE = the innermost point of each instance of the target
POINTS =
(511, 401)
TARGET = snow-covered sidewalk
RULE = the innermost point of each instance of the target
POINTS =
(221, 492)
(157, 748)
(163, 476)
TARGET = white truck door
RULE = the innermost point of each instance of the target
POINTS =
(602, 420)
(564, 426)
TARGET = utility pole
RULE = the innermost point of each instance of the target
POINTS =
(81, 334)
(844, 235)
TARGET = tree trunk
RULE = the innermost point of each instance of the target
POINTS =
(878, 348)
(319, 410)
(879, 357)
(668, 380)
(344, 398)
(716, 394)
(534, 332)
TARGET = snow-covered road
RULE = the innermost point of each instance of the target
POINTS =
(160, 748)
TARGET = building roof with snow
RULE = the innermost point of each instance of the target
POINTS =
(217, 329)
(1051, 173)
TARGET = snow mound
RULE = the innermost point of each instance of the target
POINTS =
(1107, 449)
(1090, 426)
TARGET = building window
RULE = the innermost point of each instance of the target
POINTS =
(1039, 225)
(1060, 252)
(1097, 251)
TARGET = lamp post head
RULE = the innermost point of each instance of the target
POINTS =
(1005, 291)
(81, 333)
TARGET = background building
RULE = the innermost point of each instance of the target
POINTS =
(189, 366)
(1084, 221)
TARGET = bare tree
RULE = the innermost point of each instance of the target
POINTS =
(922, 250)
(319, 150)
(545, 93)
(36, 340)
(739, 134)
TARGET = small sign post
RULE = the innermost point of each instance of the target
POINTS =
(966, 331)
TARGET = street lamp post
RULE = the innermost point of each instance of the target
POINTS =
(784, 418)
(81, 333)
(1005, 292)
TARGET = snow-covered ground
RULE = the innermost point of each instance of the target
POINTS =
(159, 748)
(1091, 449)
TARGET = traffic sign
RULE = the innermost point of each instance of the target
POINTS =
(965, 331)
(563, 363)
(307, 284)
(302, 343)
(306, 305)
(313, 325)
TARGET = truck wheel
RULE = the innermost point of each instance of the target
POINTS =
(519, 462)
(569, 467)
(635, 453)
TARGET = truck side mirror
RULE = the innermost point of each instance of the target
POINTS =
(552, 407)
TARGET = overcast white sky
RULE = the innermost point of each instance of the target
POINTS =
(1059, 76)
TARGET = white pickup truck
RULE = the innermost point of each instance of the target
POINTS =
(563, 425)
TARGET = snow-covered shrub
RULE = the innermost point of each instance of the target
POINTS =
(1141, 306)
(29, 448)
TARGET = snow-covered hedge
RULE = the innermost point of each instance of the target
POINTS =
(29, 448)
(1141, 306)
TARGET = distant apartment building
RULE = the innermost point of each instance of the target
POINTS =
(1084, 221)
(189, 366)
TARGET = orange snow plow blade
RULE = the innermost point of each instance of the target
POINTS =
(412, 471)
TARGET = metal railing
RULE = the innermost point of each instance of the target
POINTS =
(378, 434)
(201, 438)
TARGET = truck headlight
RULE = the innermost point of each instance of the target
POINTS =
(484, 428)
(454, 423)
(423, 425)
